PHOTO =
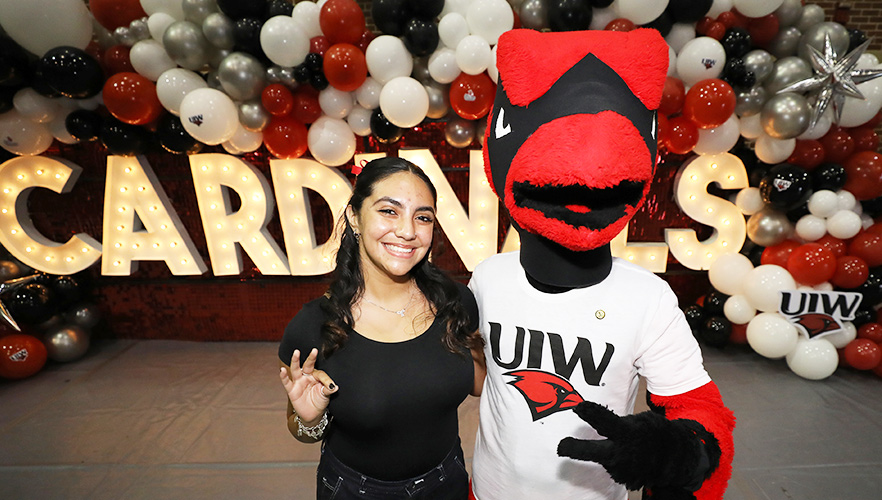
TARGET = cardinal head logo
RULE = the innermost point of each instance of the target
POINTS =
(545, 393)
(196, 120)
(469, 96)
(781, 184)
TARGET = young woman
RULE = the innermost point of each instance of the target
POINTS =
(391, 350)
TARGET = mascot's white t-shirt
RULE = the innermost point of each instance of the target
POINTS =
(547, 352)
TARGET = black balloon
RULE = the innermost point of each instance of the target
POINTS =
(662, 24)
(871, 289)
(302, 73)
(246, 33)
(30, 304)
(314, 62)
(786, 187)
(714, 302)
(278, 8)
(174, 138)
(71, 72)
(688, 11)
(737, 75)
(756, 174)
(600, 4)
(6, 96)
(855, 38)
(794, 214)
(830, 176)
(753, 252)
(66, 289)
(390, 16)
(39, 84)
(695, 316)
(569, 15)
(385, 131)
(863, 316)
(873, 207)
(237, 9)
(14, 67)
(421, 37)
(736, 42)
(83, 125)
(427, 10)
(123, 139)
(715, 331)
(318, 81)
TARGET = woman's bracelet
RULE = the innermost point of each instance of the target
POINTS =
(316, 431)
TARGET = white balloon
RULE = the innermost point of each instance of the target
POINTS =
(844, 336)
(492, 70)
(814, 359)
(749, 200)
(718, 7)
(825, 121)
(751, 126)
(823, 287)
(762, 284)
(680, 35)
(368, 95)
(601, 17)
(845, 200)
(489, 18)
(22, 136)
(738, 310)
(359, 121)
(283, 41)
(209, 116)
(727, 272)
(387, 58)
(233, 150)
(472, 55)
(331, 141)
(720, 139)
(640, 11)
(150, 59)
(172, 8)
(458, 6)
(244, 140)
(307, 16)
(701, 58)
(336, 103)
(40, 25)
(672, 63)
(58, 129)
(404, 101)
(157, 24)
(756, 8)
(452, 28)
(173, 85)
(772, 151)
(823, 203)
(771, 335)
(34, 106)
(442, 65)
(856, 112)
(811, 227)
(844, 224)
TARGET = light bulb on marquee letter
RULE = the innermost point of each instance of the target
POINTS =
(690, 193)
(473, 236)
(214, 175)
(648, 255)
(291, 179)
(141, 224)
(18, 177)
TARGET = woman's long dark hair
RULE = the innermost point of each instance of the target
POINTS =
(347, 286)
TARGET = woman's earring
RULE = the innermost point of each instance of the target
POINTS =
(357, 236)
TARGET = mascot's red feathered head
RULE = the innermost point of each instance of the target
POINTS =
(571, 141)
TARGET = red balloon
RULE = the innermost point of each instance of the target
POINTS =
(875, 228)
(621, 24)
(116, 60)
(834, 244)
(863, 172)
(778, 254)
(865, 139)
(702, 25)
(763, 29)
(672, 97)
(716, 30)
(306, 108)
(862, 354)
(851, 272)
(342, 21)
(345, 67)
(277, 100)
(115, 13)
(731, 19)
(709, 103)
(285, 137)
(867, 246)
(131, 98)
(319, 45)
(874, 121)
(21, 356)
(808, 154)
(739, 334)
(811, 264)
(838, 145)
(471, 96)
(683, 135)
(366, 38)
(870, 331)
(664, 130)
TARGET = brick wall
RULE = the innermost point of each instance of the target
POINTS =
(864, 15)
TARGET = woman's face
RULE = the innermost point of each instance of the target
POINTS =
(396, 224)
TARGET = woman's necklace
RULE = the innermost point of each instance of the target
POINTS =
(399, 312)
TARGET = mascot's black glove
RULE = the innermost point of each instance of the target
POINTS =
(646, 450)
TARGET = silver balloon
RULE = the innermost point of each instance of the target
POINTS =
(534, 14)
(439, 99)
(218, 30)
(242, 76)
(750, 102)
(786, 115)
(216, 56)
(816, 35)
(811, 15)
(274, 74)
(481, 131)
(252, 116)
(761, 63)
(66, 343)
(788, 70)
(9, 270)
(420, 71)
(286, 78)
(85, 315)
(139, 30)
(197, 10)
(213, 81)
(186, 45)
(785, 43)
(789, 13)
(459, 132)
(123, 36)
(768, 227)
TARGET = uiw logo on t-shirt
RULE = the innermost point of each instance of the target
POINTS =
(817, 314)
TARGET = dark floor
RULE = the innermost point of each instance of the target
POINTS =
(176, 420)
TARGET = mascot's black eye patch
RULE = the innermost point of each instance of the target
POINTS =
(579, 206)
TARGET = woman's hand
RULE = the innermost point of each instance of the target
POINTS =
(308, 389)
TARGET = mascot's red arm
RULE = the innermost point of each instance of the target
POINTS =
(705, 406)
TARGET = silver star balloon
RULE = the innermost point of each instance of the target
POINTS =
(834, 79)
(8, 286)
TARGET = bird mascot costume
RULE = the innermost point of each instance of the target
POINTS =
(570, 149)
